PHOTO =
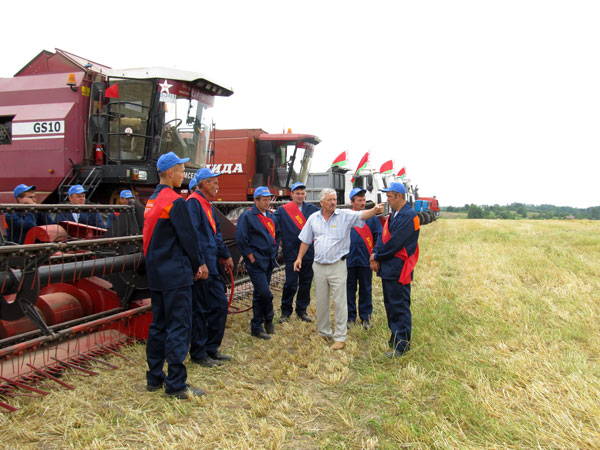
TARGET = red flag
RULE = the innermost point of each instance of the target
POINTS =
(387, 167)
(340, 161)
(361, 165)
(112, 92)
(402, 172)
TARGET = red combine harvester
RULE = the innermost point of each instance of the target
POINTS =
(74, 292)
(65, 120)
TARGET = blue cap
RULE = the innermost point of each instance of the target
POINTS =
(168, 160)
(193, 184)
(204, 173)
(396, 187)
(22, 188)
(355, 191)
(262, 191)
(126, 193)
(297, 185)
(77, 189)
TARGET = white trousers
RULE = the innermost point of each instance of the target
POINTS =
(331, 278)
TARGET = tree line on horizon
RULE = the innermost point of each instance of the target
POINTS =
(525, 211)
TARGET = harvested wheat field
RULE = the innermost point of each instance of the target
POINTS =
(505, 354)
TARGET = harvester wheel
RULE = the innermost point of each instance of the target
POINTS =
(426, 217)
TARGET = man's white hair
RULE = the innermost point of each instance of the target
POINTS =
(325, 192)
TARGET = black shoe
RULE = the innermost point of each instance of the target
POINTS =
(151, 388)
(261, 335)
(206, 362)
(366, 324)
(218, 356)
(395, 353)
(304, 317)
(186, 393)
(269, 327)
(284, 318)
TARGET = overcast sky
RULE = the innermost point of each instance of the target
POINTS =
(483, 101)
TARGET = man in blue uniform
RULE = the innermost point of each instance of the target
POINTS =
(20, 223)
(172, 264)
(362, 241)
(257, 237)
(292, 217)
(77, 197)
(126, 197)
(209, 300)
(394, 258)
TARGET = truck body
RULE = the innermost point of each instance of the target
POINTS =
(341, 180)
(372, 182)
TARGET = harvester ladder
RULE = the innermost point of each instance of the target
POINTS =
(90, 183)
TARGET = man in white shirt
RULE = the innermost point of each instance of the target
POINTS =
(329, 230)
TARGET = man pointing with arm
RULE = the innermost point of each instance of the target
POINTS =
(330, 231)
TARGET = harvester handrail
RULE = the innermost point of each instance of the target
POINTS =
(61, 207)
(69, 245)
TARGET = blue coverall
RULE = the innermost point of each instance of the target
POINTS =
(20, 223)
(360, 272)
(172, 259)
(396, 296)
(85, 218)
(295, 281)
(253, 237)
(209, 300)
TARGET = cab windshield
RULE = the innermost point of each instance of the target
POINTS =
(388, 179)
(300, 162)
(186, 130)
(282, 163)
(292, 163)
(128, 117)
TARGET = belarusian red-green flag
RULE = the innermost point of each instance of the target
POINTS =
(387, 167)
(340, 161)
(402, 172)
(361, 165)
